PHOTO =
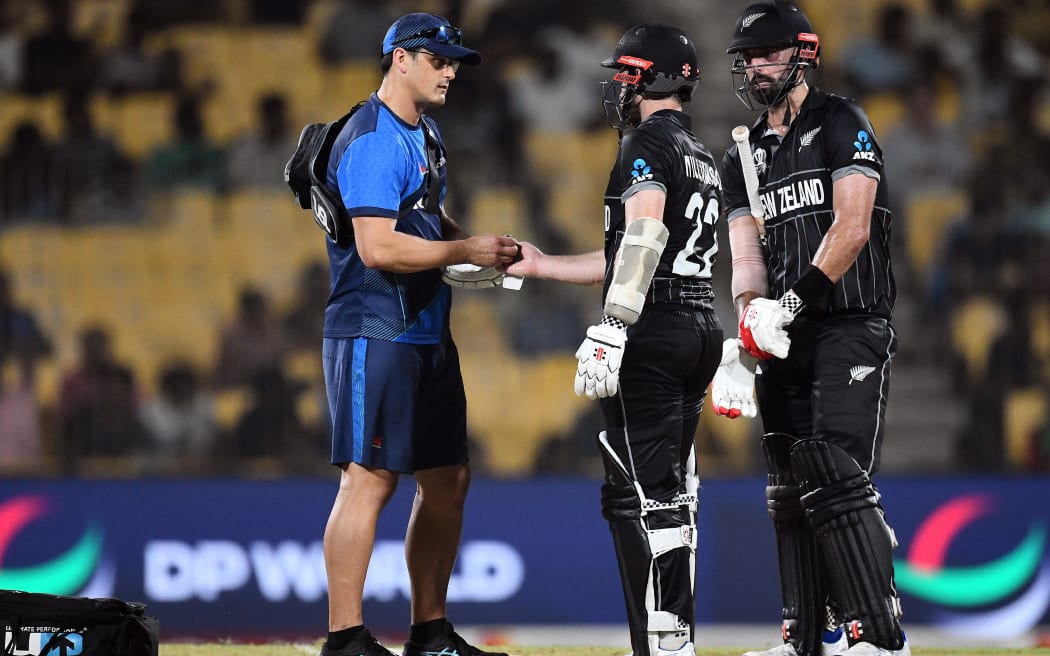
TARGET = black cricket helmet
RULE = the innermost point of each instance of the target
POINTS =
(653, 60)
(772, 25)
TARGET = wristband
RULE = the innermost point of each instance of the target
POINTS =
(812, 286)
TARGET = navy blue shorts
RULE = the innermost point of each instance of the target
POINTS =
(398, 407)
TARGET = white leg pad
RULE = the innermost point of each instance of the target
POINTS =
(692, 490)
(662, 540)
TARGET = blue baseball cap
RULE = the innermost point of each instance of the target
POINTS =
(434, 33)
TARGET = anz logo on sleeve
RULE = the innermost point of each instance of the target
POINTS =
(641, 171)
(863, 146)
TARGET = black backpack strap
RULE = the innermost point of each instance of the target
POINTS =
(433, 200)
(319, 160)
(308, 165)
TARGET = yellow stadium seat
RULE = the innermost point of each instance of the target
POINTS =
(33, 257)
(230, 404)
(103, 21)
(47, 382)
(276, 51)
(185, 214)
(1024, 412)
(318, 15)
(885, 110)
(479, 317)
(305, 365)
(974, 326)
(928, 217)
(949, 101)
(216, 57)
(576, 166)
(207, 51)
(311, 406)
(179, 329)
(1040, 328)
(351, 82)
(499, 210)
(28, 249)
(512, 404)
(44, 111)
(572, 152)
(726, 446)
(264, 56)
(266, 239)
(594, 154)
(841, 23)
(119, 467)
(838, 23)
(548, 152)
(139, 123)
(266, 215)
(578, 211)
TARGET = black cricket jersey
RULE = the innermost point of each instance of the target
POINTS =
(663, 153)
(830, 138)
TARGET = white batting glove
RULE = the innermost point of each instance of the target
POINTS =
(733, 387)
(471, 276)
(762, 327)
(600, 354)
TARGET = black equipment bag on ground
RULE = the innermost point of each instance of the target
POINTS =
(307, 172)
(54, 625)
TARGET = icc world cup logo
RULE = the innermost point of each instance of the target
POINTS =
(1001, 598)
(79, 570)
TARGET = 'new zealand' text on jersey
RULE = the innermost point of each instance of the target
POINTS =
(379, 165)
(663, 153)
(830, 138)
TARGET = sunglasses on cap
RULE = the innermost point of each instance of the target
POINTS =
(446, 34)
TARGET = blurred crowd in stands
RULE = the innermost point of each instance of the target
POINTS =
(966, 160)
(957, 91)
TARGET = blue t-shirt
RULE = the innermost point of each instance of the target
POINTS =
(379, 166)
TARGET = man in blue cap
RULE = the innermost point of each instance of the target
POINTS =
(395, 391)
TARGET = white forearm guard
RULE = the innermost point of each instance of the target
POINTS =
(643, 244)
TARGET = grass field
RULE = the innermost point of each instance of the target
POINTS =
(302, 650)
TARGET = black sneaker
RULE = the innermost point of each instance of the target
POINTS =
(448, 643)
(363, 645)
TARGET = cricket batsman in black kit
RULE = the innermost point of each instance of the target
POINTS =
(814, 290)
(652, 356)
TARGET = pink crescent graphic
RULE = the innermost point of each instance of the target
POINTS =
(14, 515)
(933, 537)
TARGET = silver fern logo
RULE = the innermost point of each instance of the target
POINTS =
(859, 373)
(748, 20)
(807, 138)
